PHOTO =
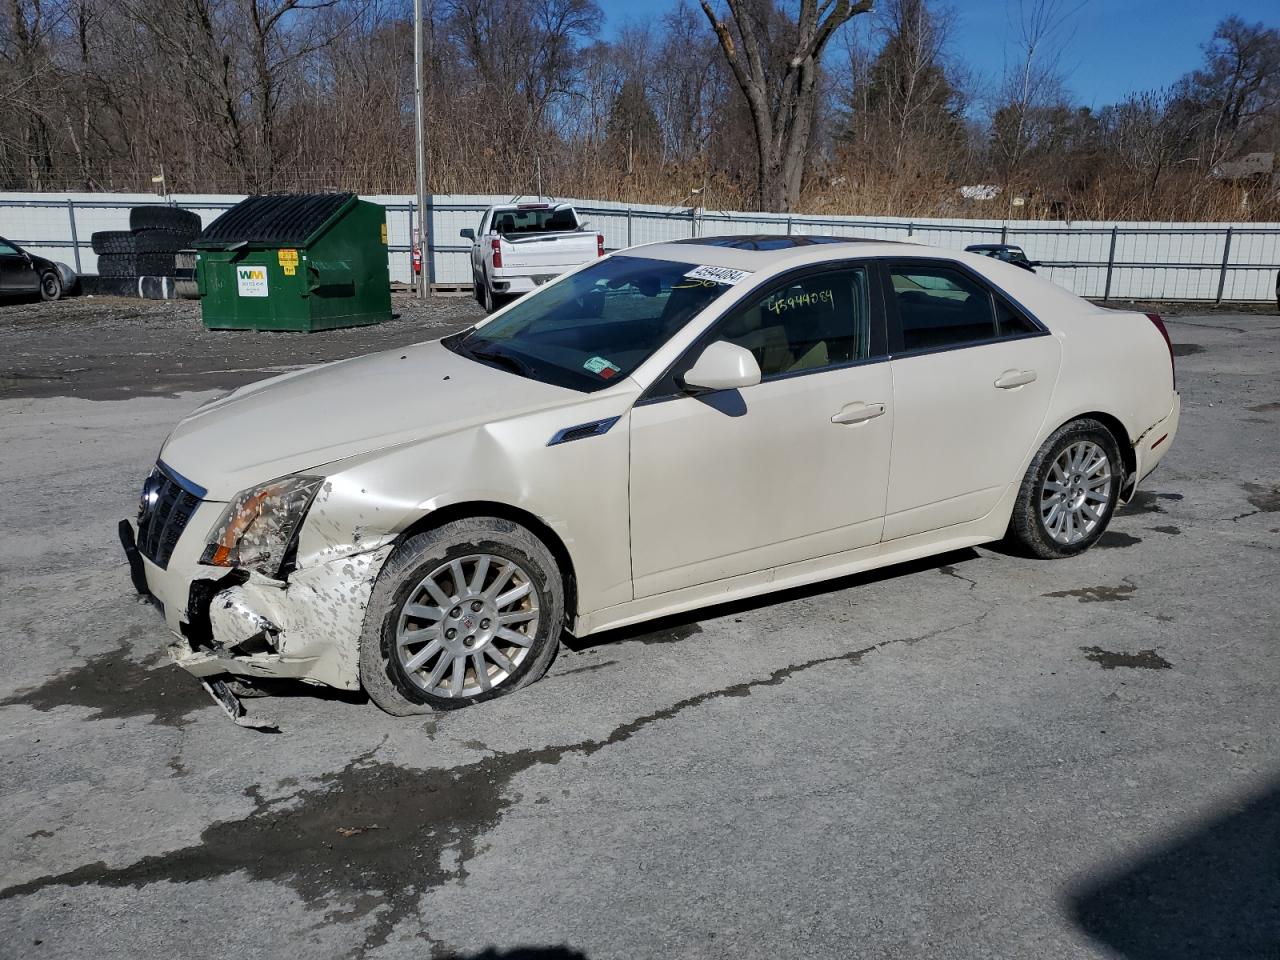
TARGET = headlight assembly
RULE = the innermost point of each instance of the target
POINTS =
(259, 524)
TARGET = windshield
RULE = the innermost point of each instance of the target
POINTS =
(594, 327)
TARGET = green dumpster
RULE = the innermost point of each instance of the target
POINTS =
(295, 262)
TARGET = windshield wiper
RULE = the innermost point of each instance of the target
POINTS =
(496, 358)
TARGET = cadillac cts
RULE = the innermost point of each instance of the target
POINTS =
(668, 427)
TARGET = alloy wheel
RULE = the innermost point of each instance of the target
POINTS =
(1076, 492)
(467, 626)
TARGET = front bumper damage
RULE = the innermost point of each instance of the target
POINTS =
(247, 625)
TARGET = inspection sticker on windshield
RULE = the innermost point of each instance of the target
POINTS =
(603, 367)
(725, 275)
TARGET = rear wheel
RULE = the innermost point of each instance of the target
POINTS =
(51, 286)
(1070, 490)
(487, 300)
(461, 614)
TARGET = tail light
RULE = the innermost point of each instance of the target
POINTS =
(599, 244)
(497, 252)
(1164, 332)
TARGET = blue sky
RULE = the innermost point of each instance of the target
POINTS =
(1113, 47)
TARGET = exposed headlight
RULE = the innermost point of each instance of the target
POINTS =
(258, 526)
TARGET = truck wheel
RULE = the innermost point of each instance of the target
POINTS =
(461, 614)
(487, 300)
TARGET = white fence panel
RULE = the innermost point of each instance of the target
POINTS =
(1164, 261)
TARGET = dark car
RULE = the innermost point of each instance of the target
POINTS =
(1006, 252)
(24, 274)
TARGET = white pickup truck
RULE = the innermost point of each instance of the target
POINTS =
(521, 246)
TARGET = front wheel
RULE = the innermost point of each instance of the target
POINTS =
(1069, 492)
(51, 286)
(461, 614)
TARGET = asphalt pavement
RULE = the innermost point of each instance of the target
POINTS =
(974, 756)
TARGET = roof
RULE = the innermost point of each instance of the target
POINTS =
(770, 241)
(284, 220)
(762, 251)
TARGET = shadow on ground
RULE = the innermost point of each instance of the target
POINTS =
(1214, 892)
(682, 626)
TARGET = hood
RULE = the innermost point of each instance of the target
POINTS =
(312, 417)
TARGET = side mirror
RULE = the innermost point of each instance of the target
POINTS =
(722, 366)
(467, 234)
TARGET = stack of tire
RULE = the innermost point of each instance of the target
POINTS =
(150, 247)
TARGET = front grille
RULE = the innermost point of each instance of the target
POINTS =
(163, 519)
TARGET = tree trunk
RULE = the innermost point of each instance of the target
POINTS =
(781, 108)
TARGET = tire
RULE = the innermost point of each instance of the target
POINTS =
(164, 217)
(157, 264)
(113, 241)
(1069, 459)
(475, 289)
(162, 241)
(118, 265)
(387, 667)
(488, 301)
(50, 286)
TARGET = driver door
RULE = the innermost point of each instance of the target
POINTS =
(796, 467)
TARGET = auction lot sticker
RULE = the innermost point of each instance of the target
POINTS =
(251, 281)
(725, 275)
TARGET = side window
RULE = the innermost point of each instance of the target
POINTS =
(1012, 323)
(941, 307)
(6, 250)
(817, 321)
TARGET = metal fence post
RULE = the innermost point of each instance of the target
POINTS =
(1004, 233)
(693, 222)
(911, 229)
(75, 239)
(629, 227)
(1111, 262)
(413, 281)
(788, 226)
(1226, 257)
(429, 260)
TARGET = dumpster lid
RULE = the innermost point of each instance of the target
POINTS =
(282, 220)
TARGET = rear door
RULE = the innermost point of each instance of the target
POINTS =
(972, 378)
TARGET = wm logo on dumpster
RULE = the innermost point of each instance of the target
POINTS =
(251, 281)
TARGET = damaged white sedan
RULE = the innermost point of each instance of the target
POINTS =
(670, 427)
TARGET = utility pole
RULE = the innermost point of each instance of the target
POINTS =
(424, 278)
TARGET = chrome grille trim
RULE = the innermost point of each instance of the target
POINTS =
(160, 528)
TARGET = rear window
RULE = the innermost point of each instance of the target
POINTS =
(513, 221)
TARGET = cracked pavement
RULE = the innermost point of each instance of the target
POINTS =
(975, 755)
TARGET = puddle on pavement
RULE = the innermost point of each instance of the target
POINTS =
(368, 840)
(1142, 660)
(1264, 408)
(1148, 501)
(1170, 530)
(114, 686)
(1114, 538)
(1264, 499)
(1186, 349)
(1103, 594)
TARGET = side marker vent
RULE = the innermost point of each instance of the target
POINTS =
(582, 431)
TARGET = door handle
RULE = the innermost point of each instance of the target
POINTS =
(859, 412)
(1015, 378)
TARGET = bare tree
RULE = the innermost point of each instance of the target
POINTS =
(781, 98)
